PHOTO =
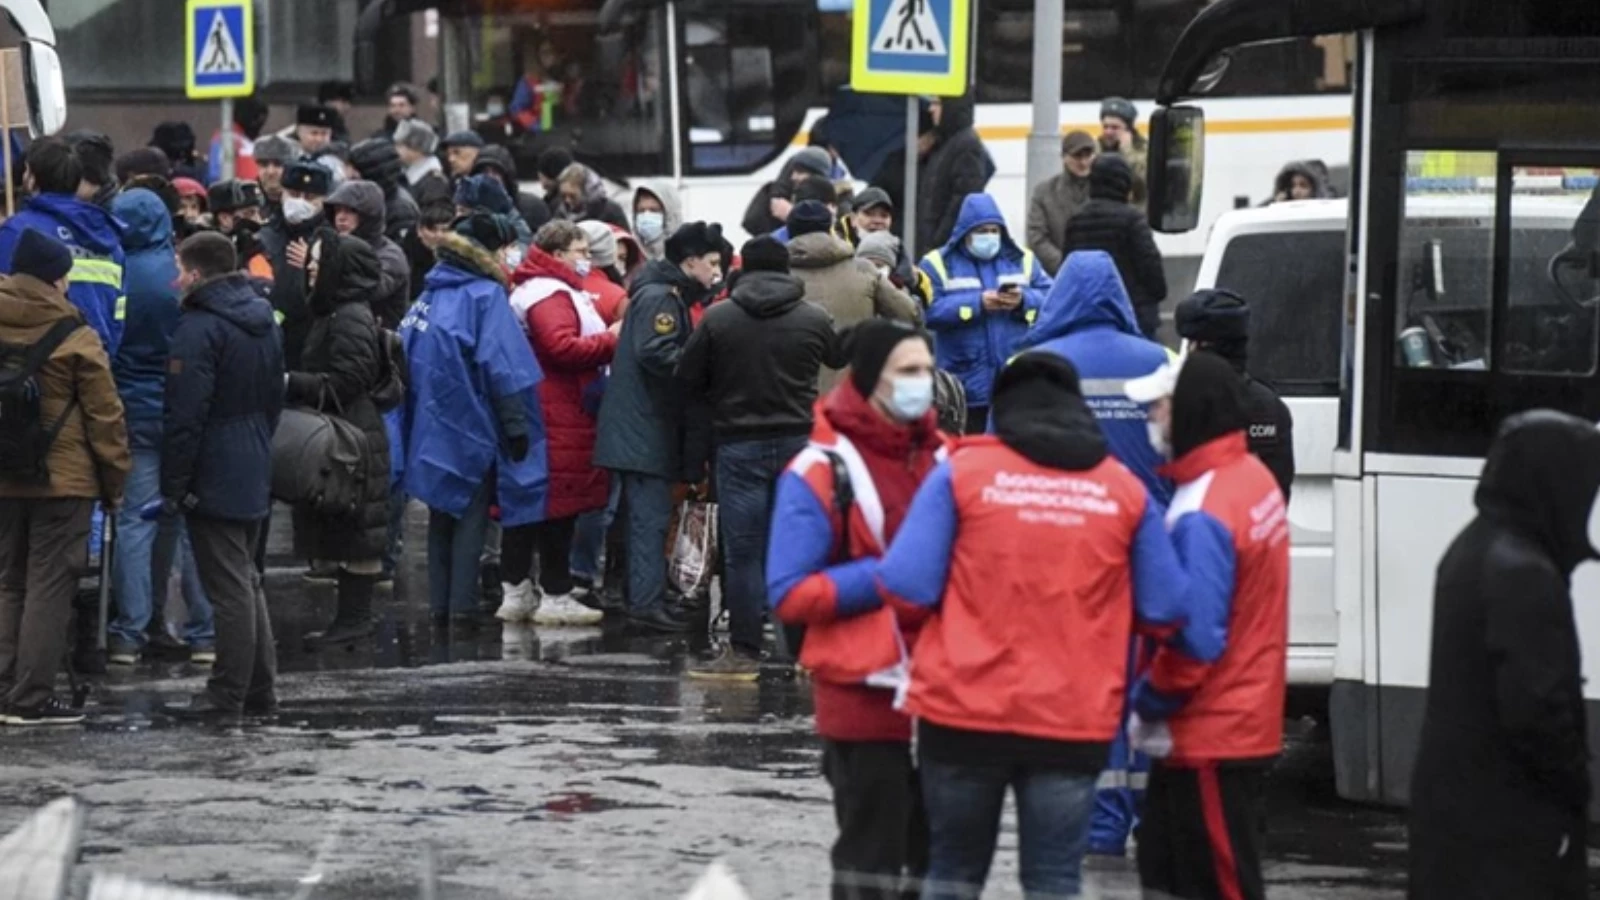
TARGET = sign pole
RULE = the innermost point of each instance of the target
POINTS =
(5, 141)
(228, 147)
(908, 213)
(1044, 141)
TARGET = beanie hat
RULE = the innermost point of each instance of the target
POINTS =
(694, 239)
(175, 139)
(41, 256)
(143, 161)
(879, 247)
(376, 160)
(553, 161)
(1121, 109)
(416, 135)
(1111, 178)
(814, 160)
(487, 230)
(308, 178)
(274, 149)
(764, 254)
(602, 243)
(496, 158)
(188, 187)
(809, 217)
(871, 342)
(483, 193)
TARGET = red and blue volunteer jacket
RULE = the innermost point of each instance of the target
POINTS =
(820, 576)
(1037, 576)
(1219, 681)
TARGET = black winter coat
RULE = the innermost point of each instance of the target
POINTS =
(1271, 432)
(1108, 223)
(224, 392)
(289, 296)
(1501, 785)
(756, 357)
(338, 371)
(958, 165)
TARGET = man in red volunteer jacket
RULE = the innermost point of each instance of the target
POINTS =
(838, 506)
(1211, 703)
(1037, 551)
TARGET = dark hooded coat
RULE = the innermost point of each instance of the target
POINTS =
(958, 165)
(1108, 223)
(394, 269)
(338, 370)
(1501, 785)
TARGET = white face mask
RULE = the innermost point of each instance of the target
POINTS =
(649, 226)
(884, 271)
(512, 255)
(912, 398)
(1158, 440)
(297, 210)
(583, 267)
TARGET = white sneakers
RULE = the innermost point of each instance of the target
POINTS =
(524, 603)
(564, 610)
(520, 604)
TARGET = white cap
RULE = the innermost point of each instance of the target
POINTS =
(1160, 383)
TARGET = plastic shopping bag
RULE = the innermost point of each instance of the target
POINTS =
(694, 548)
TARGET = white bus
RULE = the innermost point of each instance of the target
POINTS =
(715, 94)
(1476, 153)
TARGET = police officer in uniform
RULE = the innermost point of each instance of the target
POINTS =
(1219, 321)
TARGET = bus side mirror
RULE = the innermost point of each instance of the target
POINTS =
(47, 93)
(1176, 168)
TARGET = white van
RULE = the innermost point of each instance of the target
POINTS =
(1287, 261)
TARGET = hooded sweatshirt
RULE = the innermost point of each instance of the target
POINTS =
(755, 360)
(975, 342)
(150, 277)
(394, 277)
(95, 238)
(758, 218)
(1088, 319)
(1281, 184)
(958, 166)
(672, 208)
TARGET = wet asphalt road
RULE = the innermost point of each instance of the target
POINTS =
(573, 763)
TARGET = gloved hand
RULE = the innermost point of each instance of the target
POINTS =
(152, 511)
(1153, 739)
(517, 448)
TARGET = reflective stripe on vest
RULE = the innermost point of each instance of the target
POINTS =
(97, 271)
(121, 312)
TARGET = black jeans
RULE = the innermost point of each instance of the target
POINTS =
(1200, 835)
(247, 663)
(552, 540)
(44, 547)
(882, 850)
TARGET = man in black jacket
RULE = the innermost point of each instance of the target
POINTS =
(1108, 223)
(287, 242)
(1500, 791)
(755, 361)
(224, 393)
(957, 166)
(1219, 321)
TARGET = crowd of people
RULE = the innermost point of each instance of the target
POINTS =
(895, 440)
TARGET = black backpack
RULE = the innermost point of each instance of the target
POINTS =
(394, 373)
(25, 438)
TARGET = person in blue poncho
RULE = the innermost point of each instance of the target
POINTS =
(474, 435)
(54, 174)
(986, 292)
(1089, 319)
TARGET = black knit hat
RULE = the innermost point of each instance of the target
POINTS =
(41, 256)
(693, 239)
(809, 217)
(764, 254)
(308, 178)
(487, 230)
(319, 116)
(553, 161)
(871, 342)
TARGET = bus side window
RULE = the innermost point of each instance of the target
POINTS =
(1445, 274)
(1551, 288)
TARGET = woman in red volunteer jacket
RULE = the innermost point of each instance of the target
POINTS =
(1210, 707)
(573, 345)
(880, 430)
(1037, 552)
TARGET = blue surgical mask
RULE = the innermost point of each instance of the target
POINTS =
(984, 246)
(649, 226)
(913, 396)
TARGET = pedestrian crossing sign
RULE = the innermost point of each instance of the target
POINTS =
(220, 45)
(911, 47)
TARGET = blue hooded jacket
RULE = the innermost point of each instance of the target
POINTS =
(974, 343)
(465, 349)
(1089, 319)
(150, 278)
(95, 239)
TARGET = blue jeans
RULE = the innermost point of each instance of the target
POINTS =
(454, 546)
(590, 536)
(964, 804)
(649, 513)
(136, 558)
(747, 476)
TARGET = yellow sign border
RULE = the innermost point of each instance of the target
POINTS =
(950, 83)
(247, 48)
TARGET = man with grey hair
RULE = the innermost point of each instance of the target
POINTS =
(274, 154)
